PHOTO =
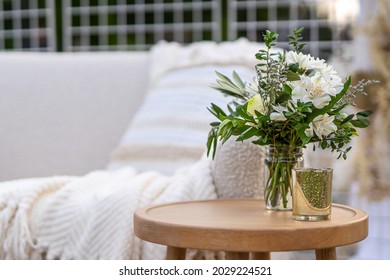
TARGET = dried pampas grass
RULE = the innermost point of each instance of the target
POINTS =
(372, 147)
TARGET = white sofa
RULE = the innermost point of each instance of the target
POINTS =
(63, 113)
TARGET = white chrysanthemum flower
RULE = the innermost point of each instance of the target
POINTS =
(329, 71)
(318, 64)
(256, 103)
(313, 89)
(322, 125)
(303, 60)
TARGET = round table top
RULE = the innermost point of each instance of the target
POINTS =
(244, 225)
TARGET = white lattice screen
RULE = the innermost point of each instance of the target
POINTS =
(325, 27)
(88, 25)
(27, 25)
(138, 24)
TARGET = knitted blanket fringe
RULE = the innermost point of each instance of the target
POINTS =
(91, 216)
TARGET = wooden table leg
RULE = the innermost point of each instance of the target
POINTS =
(261, 255)
(175, 253)
(237, 255)
(326, 254)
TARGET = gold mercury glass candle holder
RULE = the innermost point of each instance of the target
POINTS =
(312, 193)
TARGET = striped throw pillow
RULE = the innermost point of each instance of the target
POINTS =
(170, 129)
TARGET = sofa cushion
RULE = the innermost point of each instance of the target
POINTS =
(170, 129)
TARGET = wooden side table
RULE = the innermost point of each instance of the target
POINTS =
(239, 226)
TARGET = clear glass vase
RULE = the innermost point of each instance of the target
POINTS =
(279, 162)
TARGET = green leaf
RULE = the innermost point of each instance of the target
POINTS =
(242, 112)
(347, 119)
(306, 108)
(212, 112)
(261, 56)
(222, 125)
(293, 67)
(261, 141)
(238, 123)
(295, 39)
(228, 87)
(269, 38)
(291, 76)
(283, 97)
(298, 31)
(365, 113)
(287, 88)
(300, 129)
(218, 111)
(230, 93)
(248, 134)
(238, 80)
(215, 124)
(360, 124)
(231, 111)
(365, 122)
(337, 110)
(212, 142)
(226, 137)
(223, 77)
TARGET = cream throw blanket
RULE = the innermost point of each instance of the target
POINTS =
(90, 217)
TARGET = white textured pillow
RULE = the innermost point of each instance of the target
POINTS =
(171, 127)
(238, 169)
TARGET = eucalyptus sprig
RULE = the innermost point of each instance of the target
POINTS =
(295, 39)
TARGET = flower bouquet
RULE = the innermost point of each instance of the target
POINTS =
(294, 99)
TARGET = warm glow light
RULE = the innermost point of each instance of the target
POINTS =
(340, 11)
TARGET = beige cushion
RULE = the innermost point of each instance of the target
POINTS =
(171, 127)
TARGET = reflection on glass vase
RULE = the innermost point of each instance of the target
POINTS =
(279, 162)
